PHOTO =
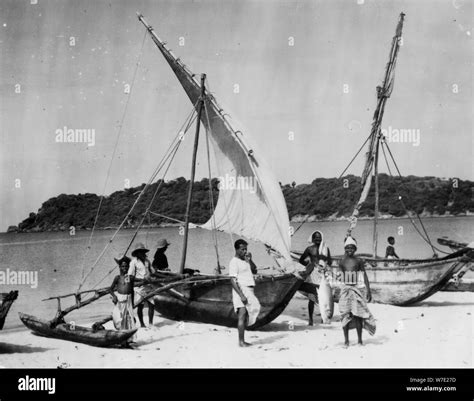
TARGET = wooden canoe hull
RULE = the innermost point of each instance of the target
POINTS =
(79, 334)
(211, 302)
(6, 301)
(405, 282)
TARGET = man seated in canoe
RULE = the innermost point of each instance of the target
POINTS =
(140, 270)
(352, 305)
(246, 305)
(315, 257)
(390, 251)
(122, 296)
(160, 261)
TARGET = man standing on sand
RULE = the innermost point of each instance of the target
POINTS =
(352, 305)
(140, 271)
(246, 305)
(319, 257)
(122, 296)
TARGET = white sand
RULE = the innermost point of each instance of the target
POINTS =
(436, 333)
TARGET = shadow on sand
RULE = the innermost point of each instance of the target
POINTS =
(20, 349)
(444, 303)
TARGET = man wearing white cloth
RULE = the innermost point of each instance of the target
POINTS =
(246, 305)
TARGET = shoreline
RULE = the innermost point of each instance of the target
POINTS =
(435, 333)
(294, 219)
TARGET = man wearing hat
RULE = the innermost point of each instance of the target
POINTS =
(160, 261)
(352, 304)
(140, 270)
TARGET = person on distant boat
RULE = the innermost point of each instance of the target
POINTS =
(160, 261)
(122, 297)
(352, 305)
(246, 305)
(390, 252)
(140, 270)
(319, 258)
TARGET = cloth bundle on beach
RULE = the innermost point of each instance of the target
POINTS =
(122, 315)
(253, 305)
(352, 303)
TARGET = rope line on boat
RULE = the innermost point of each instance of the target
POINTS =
(176, 141)
(357, 154)
(119, 133)
(171, 155)
(427, 238)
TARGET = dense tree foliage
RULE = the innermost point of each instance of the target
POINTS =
(323, 198)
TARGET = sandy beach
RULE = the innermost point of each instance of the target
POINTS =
(436, 333)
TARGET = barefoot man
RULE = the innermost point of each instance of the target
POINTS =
(122, 296)
(246, 305)
(352, 305)
(140, 271)
(319, 257)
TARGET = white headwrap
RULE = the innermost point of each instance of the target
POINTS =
(323, 249)
(350, 241)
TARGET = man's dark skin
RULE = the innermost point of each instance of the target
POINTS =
(311, 252)
(242, 254)
(122, 283)
(141, 255)
(390, 249)
(351, 263)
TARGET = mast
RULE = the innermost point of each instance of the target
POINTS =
(383, 93)
(193, 172)
(376, 185)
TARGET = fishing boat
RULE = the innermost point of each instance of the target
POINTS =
(6, 301)
(257, 213)
(79, 334)
(398, 281)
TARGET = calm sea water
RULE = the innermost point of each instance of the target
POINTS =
(58, 257)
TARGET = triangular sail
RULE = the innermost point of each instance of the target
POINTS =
(250, 201)
(383, 93)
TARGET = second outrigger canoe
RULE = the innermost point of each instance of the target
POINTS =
(405, 282)
(69, 332)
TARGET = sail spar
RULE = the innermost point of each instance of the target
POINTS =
(250, 200)
(383, 93)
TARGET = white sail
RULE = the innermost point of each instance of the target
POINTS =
(250, 202)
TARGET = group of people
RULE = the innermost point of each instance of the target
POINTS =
(316, 257)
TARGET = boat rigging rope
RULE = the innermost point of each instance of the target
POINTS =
(176, 141)
(145, 214)
(427, 238)
(112, 157)
(357, 154)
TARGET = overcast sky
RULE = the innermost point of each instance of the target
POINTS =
(66, 63)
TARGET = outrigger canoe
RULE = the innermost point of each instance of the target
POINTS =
(69, 332)
(210, 301)
(6, 301)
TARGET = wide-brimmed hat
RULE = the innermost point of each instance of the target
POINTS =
(138, 248)
(162, 243)
(123, 259)
(350, 241)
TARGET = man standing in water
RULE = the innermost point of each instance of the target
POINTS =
(246, 305)
(352, 305)
(319, 257)
(140, 270)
